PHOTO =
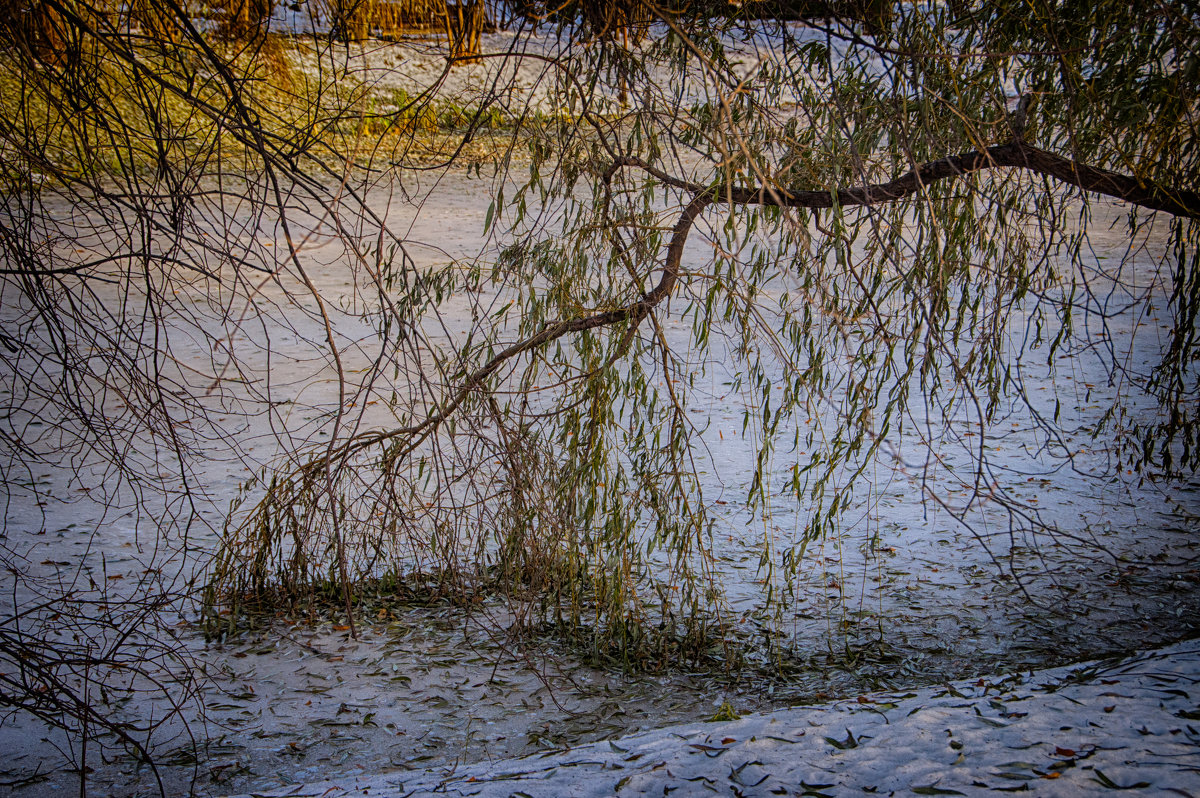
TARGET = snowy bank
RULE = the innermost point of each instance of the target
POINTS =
(1076, 730)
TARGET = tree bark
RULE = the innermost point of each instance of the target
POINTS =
(1016, 154)
(464, 24)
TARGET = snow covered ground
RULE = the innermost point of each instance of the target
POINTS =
(1131, 724)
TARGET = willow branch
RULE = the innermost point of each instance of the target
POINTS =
(1015, 154)
(632, 314)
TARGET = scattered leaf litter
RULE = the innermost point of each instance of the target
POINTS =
(1125, 725)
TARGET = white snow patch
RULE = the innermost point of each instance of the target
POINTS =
(1066, 731)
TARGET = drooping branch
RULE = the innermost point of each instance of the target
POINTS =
(632, 314)
(403, 441)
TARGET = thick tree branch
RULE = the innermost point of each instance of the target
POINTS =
(1015, 154)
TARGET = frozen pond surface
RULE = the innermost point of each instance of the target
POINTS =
(907, 597)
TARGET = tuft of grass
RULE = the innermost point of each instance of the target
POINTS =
(724, 712)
